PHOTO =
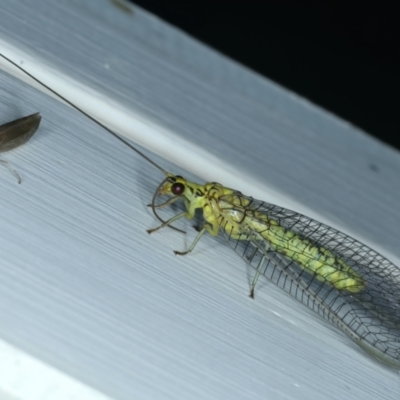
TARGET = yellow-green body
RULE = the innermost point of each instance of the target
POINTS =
(227, 209)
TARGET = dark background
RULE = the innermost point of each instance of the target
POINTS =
(344, 57)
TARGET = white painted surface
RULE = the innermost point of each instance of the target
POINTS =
(86, 291)
(25, 377)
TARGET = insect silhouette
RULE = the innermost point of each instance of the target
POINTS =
(341, 279)
(15, 134)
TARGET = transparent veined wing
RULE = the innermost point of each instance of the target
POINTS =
(293, 257)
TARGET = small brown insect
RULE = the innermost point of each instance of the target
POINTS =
(16, 133)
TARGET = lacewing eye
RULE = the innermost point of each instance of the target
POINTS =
(16, 133)
(178, 188)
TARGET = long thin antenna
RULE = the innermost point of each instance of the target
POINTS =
(85, 114)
